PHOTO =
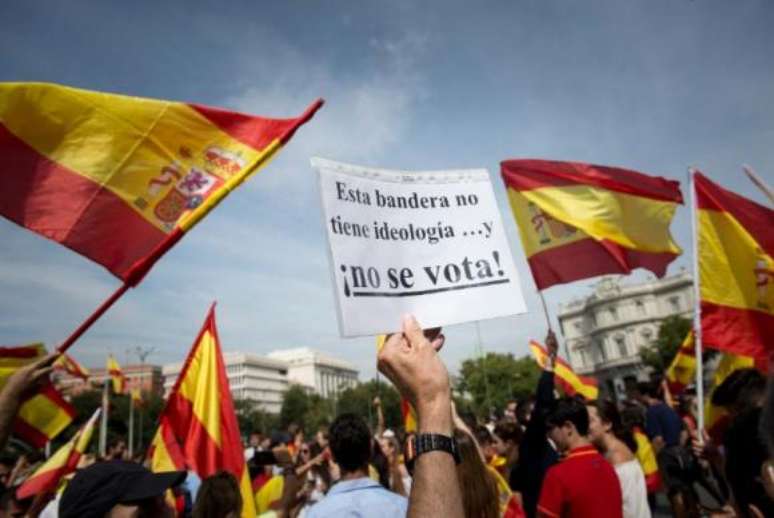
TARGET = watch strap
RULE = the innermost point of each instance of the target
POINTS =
(427, 442)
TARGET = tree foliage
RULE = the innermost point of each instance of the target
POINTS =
(496, 378)
(359, 400)
(671, 334)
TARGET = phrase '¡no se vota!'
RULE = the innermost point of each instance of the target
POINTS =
(390, 201)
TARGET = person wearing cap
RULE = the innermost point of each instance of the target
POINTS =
(118, 489)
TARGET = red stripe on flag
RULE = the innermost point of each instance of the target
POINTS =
(756, 219)
(255, 132)
(530, 174)
(751, 332)
(19, 352)
(66, 207)
(29, 433)
(42, 483)
(589, 258)
(53, 395)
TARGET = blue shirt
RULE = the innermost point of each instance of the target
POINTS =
(660, 420)
(360, 497)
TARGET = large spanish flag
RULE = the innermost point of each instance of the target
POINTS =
(198, 425)
(682, 371)
(579, 220)
(570, 382)
(736, 271)
(120, 179)
(64, 461)
(43, 414)
(117, 377)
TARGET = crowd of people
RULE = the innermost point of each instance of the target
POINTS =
(544, 456)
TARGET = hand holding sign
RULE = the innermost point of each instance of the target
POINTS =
(430, 244)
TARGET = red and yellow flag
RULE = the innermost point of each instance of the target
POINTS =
(565, 377)
(44, 414)
(647, 459)
(682, 371)
(198, 427)
(579, 220)
(67, 364)
(136, 395)
(116, 375)
(716, 418)
(120, 179)
(736, 271)
(64, 461)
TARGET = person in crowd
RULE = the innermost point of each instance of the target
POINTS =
(296, 438)
(410, 360)
(633, 418)
(509, 414)
(478, 486)
(399, 478)
(117, 489)
(355, 493)
(253, 445)
(583, 484)
(664, 429)
(524, 411)
(536, 453)
(744, 449)
(218, 497)
(510, 436)
(608, 435)
(116, 449)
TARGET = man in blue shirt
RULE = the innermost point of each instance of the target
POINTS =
(355, 494)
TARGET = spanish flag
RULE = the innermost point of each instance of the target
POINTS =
(579, 220)
(682, 371)
(44, 414)
(716, 419)
(736, 271)
(647, 459)
(67, 364)
(570, 382)
(63, 462)
(198, 425)
(116, 375)
(120, 179)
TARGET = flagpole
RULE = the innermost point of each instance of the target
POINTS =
(759, 183)
(131, 425)
(103, 422)
(550, 328)
(697, 307)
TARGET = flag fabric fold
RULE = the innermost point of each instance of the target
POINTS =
(43, 415)
(67, 364)
(565, 377)
(580, 220)
(119, 179)
(682, 371)
(198, 428)
(46, 478)
(736, 271)
(117, 377)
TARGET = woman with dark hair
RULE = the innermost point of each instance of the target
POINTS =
(617, 444)
(480, 497)
(218, 497)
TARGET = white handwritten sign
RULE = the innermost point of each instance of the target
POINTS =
(427, 243)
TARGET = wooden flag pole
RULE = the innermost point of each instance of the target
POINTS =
(697, 306)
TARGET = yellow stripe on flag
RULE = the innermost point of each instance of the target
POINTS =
(682, 370)
(202, 372)
(563, 371)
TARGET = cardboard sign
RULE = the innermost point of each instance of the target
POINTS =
(427, 243)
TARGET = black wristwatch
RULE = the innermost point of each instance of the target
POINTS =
(426, 442)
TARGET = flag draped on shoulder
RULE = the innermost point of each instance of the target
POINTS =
(736, 271)
(580, 220)
(570, 382)
(63, 462)
(198, 428)
(682, 371)
(116, 375)
(67, 364)
(120, 179)
(44, 414)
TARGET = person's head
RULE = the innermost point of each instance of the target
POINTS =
(510, 410)
(478, 486)
(218, 497)
(304, 453)
(322, 437)
(116, 449)
(568, 423)
(118, 489)
(255, 439)
(742, 390)
(510, 435)
(524, 410)
(605, 422)
(350, 443)
(647, 392)
(486, 441)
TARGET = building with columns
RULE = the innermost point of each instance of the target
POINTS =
(317, 371)
(605, 331)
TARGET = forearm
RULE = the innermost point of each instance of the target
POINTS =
(9, 406)
(379, 421)
(435, 490)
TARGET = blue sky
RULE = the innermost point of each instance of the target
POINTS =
(654, 85)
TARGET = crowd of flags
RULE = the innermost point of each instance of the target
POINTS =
(121, 179)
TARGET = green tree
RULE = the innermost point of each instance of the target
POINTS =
(295, 405)
(359, 400)
(252, 418)
(671, 334)
(496, 378)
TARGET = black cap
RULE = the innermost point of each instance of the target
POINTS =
(95, 490)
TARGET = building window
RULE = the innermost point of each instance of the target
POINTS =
(640, 305)
(674, 303)
(601, 347)
(613, 313)
(620, 341)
